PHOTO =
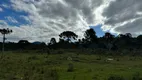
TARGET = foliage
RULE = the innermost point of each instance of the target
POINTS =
(136, 76)
(4, 32)
(114, 77)
(70, 67)
(30, 65)
(90, 35)
(68, 35)
(53, 41)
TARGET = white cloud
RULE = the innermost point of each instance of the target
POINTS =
(5, 5)
(26, 18)
(48, 18)
(1, 9)
(2, 22)
(11, 19)
(124, 16)
(51, 17)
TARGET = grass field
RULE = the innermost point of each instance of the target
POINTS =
(68, 66)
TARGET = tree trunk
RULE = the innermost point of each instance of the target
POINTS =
(3, 42)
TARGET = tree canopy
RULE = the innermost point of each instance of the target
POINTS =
(68, 35)
(90, 35)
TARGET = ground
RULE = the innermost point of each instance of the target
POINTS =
(32, 65)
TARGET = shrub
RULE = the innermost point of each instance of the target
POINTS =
(46, 74)
(95, 78)
(136, 76)
(117, 59)
(32, 58)
(51, 75)
(70, 67)
(115, 77)
(60, 52)
(99, 58)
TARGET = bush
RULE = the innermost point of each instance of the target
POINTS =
(45, 74)
(32, 58)
(60, 52)
(99, 58)
(51, 75)
(70, 67)
(136, 76)
(115, 77)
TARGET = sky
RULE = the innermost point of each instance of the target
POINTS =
(40, 20)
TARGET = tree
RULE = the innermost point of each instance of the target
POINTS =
(121, 36)
(109, 40)
(128, 35)
(125, 36)
(109, 37)
(68, 36)
(90, 35)
(139, 38)
(53, 41)
(4, 32)
(23, 43)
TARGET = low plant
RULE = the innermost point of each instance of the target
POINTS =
(70, 67)
(115, 77)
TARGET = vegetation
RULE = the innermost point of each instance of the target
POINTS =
(4, 32)
(90, 58)
(69, 65)
(67, 36)
(69, 40)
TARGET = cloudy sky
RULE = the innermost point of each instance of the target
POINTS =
(39, 20)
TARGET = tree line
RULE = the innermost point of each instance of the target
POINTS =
(69, 40)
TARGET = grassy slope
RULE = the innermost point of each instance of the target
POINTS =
(34, 66)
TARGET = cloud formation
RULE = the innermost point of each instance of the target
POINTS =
(1, 9)
(124, 16)
(48, 18)
(11, 19)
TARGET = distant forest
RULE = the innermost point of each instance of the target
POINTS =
(69, 40)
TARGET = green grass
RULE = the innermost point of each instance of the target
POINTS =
(41, 66)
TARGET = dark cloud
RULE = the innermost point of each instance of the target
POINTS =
(134, 27)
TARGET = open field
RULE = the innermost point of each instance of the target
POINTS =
(68, 66)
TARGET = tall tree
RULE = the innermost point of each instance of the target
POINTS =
(121, 36)
(139, 38)
(127, 38)
(4, 32)
(128, 35)
(68, 36)
(53, 41)
(109, 37)
(23, 43)
(90, 35)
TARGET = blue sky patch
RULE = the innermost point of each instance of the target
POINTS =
(9, 12)
(98, 30)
